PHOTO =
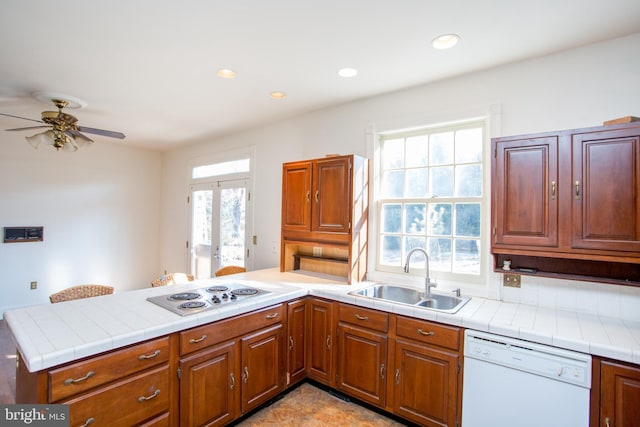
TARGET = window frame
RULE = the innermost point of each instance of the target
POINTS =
(386, 272)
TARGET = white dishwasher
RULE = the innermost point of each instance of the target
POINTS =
(509, 382)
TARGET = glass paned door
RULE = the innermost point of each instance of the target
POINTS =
(218, 226)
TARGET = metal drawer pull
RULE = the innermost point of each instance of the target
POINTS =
(553, 190)
(144, 399)
(397, 375)
(196, 341)
(272, 316)
(328, 341)
(426, 334)
(607, 422)
(308, 196)
(150, 356)
(290, 343)
(361, 317)
(88, 422)
(245, 375)
(317, 196)
(233, 380)
(382, 371)
(70, 381)
(577, 189)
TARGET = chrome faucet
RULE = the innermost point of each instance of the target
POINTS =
(428, 284)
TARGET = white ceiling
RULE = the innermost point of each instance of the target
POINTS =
(147, 68)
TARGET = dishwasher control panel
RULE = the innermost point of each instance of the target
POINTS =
(551, 362)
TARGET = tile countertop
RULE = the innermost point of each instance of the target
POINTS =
(52, 334)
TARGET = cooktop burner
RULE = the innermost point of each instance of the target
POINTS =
(184, 296)
(198, 300)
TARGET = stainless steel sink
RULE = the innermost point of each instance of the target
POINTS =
(414, 297)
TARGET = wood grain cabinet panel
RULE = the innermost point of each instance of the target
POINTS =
(619, 394)
(81, 376)
(320, 342)
(209, 386)
(296, 341)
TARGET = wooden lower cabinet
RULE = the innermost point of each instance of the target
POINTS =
(425, 384)
(320, 338)
(262, 367)
(619, 394)
(209, 386)
(362, 363)
(296, 341)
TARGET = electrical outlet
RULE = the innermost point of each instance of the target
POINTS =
(511, 280)
(34, 285)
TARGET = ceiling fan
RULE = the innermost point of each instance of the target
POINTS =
(64, 132)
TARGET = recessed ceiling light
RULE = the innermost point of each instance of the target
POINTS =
(226, 73)
(348, 72)
(277, 95)
(445, 41)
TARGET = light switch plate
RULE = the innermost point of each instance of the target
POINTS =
(511, 280)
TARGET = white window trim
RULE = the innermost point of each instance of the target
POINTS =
(492, 115)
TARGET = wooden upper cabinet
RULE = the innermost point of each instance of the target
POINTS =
(331, 195)
(296, 196)
(525, 196)
(569, 195)
(606, 180)
(316, 195)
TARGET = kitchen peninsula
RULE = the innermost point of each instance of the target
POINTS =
(91, 332)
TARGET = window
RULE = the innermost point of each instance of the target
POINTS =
(430, 195)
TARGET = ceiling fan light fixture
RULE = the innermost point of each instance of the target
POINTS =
(58, 140)
(445, 41)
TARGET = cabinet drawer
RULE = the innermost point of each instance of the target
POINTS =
(428, 332)
(136, 399)
(223, 330)
(365, 317)
(81, 376)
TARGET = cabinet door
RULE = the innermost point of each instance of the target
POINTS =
(606, 180)
(425, 384)
(209, 386)
(331, 195)
(320, 341)
(362, 364)
(296, 350)
(620, 395)
(296, 196)
(525, 191)
(262, 367)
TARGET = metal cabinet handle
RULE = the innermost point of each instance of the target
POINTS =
(150, 356)
(272, 316)
(317, 196)
(197, 340)
(290, 343)
(70, 381)
(577, 189)
(329, 341)
(145, 398)
(382, 371)
(359, 317)
(245, 375)
(607, 422)
(88, 422)
(553, 190)
(233, 380)
(397, 375)
(308, 197)
(426, 334)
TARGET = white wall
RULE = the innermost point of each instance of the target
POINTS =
(577, 88)
(99, 208)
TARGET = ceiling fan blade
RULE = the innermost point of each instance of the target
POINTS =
(18, 117)
(30, 127)
(102, 132)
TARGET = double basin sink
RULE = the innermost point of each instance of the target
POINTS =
(413, 297)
